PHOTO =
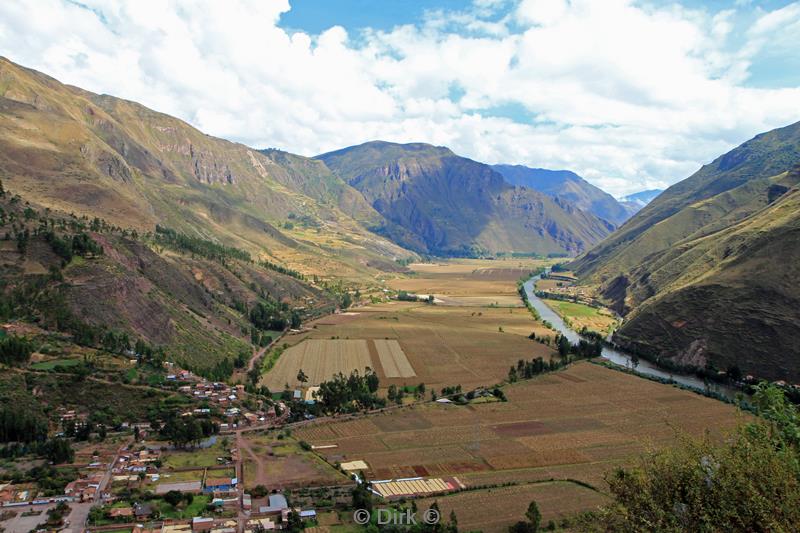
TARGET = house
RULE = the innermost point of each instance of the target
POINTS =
(142, 510)
(202, 524)
(309, 514)
(311, 394)
(119, 512)
(223, 484)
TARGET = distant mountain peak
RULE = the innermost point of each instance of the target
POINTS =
(569, 186)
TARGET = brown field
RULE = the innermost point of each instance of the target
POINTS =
(470, 282)
(573, 424)
(493, 510)
(443, 345)
(394, 361)
(280, 465)
(470, 338)
(320, 360)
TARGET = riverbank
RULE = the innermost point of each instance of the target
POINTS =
(618, 357)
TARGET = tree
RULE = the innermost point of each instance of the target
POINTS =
(521, 527)
(564, 346)
(534, 516)
(58, 450)
(295, 320)
(347, 300)
(293, 521)
(301, 377)
(173, 497)
(362, 497)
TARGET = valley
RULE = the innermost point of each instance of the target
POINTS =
(197, 335)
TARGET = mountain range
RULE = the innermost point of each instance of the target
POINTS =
(201, 231)
(568, 186)
(438, 202)
(706, 273)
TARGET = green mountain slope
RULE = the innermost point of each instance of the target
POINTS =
(569, 186)
(705, 274)
(437, 202)
(76, 151)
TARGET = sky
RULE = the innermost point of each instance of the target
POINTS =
(631, 95)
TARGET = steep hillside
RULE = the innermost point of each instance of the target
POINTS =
(199, 302)
(656, 227)
(705, 274)
(437, 202)
(76, 151)
(569, 186)
(729, 298)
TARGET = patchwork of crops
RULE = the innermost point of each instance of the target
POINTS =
(574, 424)
(411, 343)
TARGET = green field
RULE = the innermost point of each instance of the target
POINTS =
(197, 457)
(57, 363)
(196, 508)
(578, 315)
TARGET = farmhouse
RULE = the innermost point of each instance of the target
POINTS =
(223, 484)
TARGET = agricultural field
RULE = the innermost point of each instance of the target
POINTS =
(470, 282)
(320, 360)
(213, 455)
(283, 464)
(492, 510)
(574, 424)
(477, 329)
(412, 343)
(578, 316)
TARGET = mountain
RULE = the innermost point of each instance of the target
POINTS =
(435, 201)
(640, 199)
(569, 186)
(98, 284)
(706, 273)
(78, 152)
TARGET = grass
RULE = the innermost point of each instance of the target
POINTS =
(578, 315)
(196, 508)
(58, 363)
(195, 458)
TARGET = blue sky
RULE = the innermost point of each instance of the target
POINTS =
(630, 94)
(315, 16)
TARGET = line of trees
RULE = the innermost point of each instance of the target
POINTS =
(15, 350)
(195, 245)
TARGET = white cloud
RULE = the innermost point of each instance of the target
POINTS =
(631, 96)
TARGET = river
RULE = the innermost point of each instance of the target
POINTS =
(616, 356)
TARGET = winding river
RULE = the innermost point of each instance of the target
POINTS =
(616, 356)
